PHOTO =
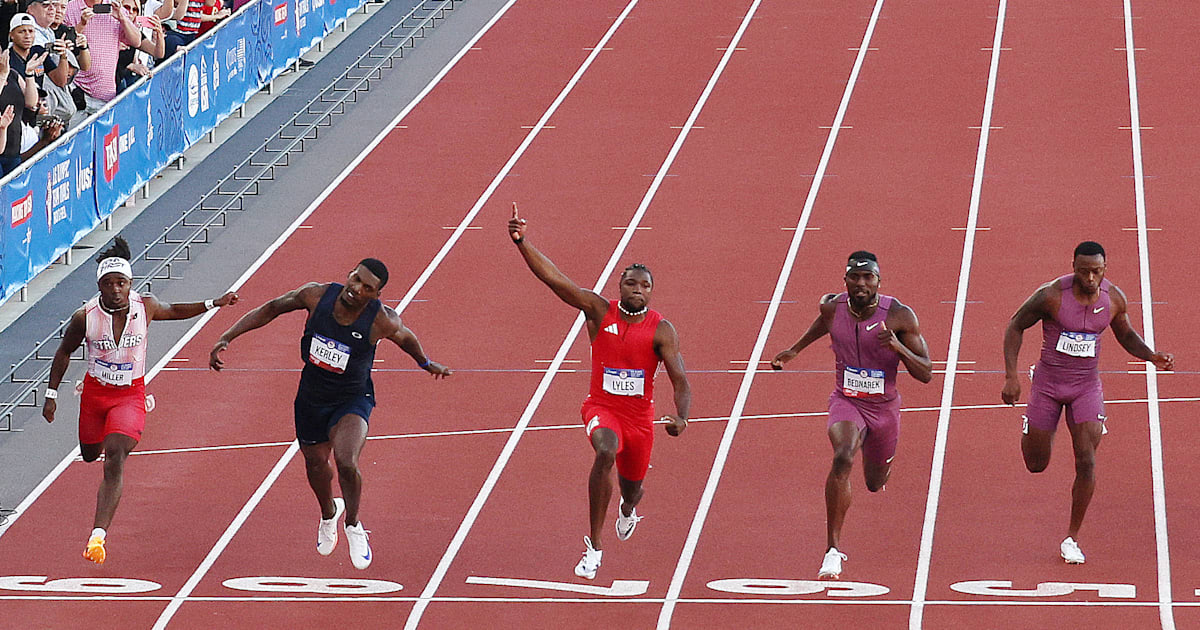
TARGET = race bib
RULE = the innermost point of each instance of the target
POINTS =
(329, 354)
(625, 382)
(862, 382)
(1077, 344)
(119, 374)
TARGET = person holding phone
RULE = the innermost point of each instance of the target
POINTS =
(25, 57)
(106, 27)
(135, 63)
(71, 40)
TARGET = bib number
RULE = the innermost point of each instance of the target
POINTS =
(862, 382)
(329, 354)
(1077, 344)
(118, 374)
(625, 382)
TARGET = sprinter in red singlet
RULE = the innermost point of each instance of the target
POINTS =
(1074, 311)
(113, 404)
(871, 334)
(628, 341)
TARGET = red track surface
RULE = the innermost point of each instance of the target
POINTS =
(898, 182)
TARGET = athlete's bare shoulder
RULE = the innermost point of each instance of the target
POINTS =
(901, 316)
(828, 305)
(1045, 298)
(1117, 297)
(387, 322)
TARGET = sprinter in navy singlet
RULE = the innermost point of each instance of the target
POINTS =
(336, 396)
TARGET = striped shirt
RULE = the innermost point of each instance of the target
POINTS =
(190, 24)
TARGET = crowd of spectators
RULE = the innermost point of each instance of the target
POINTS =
(63, 60)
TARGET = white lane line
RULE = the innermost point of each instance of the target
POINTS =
(1165, 612)
(237, 599)
(921, 585)
(714, 475)
(241, 517)
(558, 427)
(464, 528)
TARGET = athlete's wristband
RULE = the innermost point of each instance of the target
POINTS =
(51, 394)
(424, 365)
(209, 305)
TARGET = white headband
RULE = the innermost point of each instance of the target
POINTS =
(114, 264)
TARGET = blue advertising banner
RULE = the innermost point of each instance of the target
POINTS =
(199, 73)
(121, 136)
(235, 75)
(167, 96)
(264, 34)
(48, 207)
(17, 200)
(71, 195)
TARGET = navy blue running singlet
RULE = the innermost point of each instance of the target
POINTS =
(337, 358)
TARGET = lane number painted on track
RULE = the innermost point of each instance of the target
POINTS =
(91, 585)
(323, 586)
(619, 588)
(1003, 588)
(766, 586)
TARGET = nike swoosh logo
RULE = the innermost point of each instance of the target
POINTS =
(1097, 310)
(861, 263)
(368, 556)
(872, 326)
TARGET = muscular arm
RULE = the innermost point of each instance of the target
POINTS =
(666, 345)
(1035, 309)
(159, 310)
(305, 297)
(819, 328)
(396, 332)
(72, 338)
(904, 336)
(593, 306)
(1130, 339)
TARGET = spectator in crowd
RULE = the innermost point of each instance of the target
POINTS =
(75, 42)
(59, 100)
(21, 95)
(8, 8)
(185, 17)
(39, 131)
(135, 63)
(21, 35)
(106, 26)
(6, 118)
(211, 13)
(43, 14)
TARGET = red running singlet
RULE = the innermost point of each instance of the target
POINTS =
(624, 363)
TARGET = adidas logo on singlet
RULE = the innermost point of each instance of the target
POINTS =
(612, 328)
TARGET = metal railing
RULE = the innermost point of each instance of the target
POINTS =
(20, 383)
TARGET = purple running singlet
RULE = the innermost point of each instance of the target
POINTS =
(865, 387)
(1068, 374)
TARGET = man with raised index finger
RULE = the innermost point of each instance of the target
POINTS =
(628, 342)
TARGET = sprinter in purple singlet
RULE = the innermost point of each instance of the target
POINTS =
(871, 334)
(1074, 311)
